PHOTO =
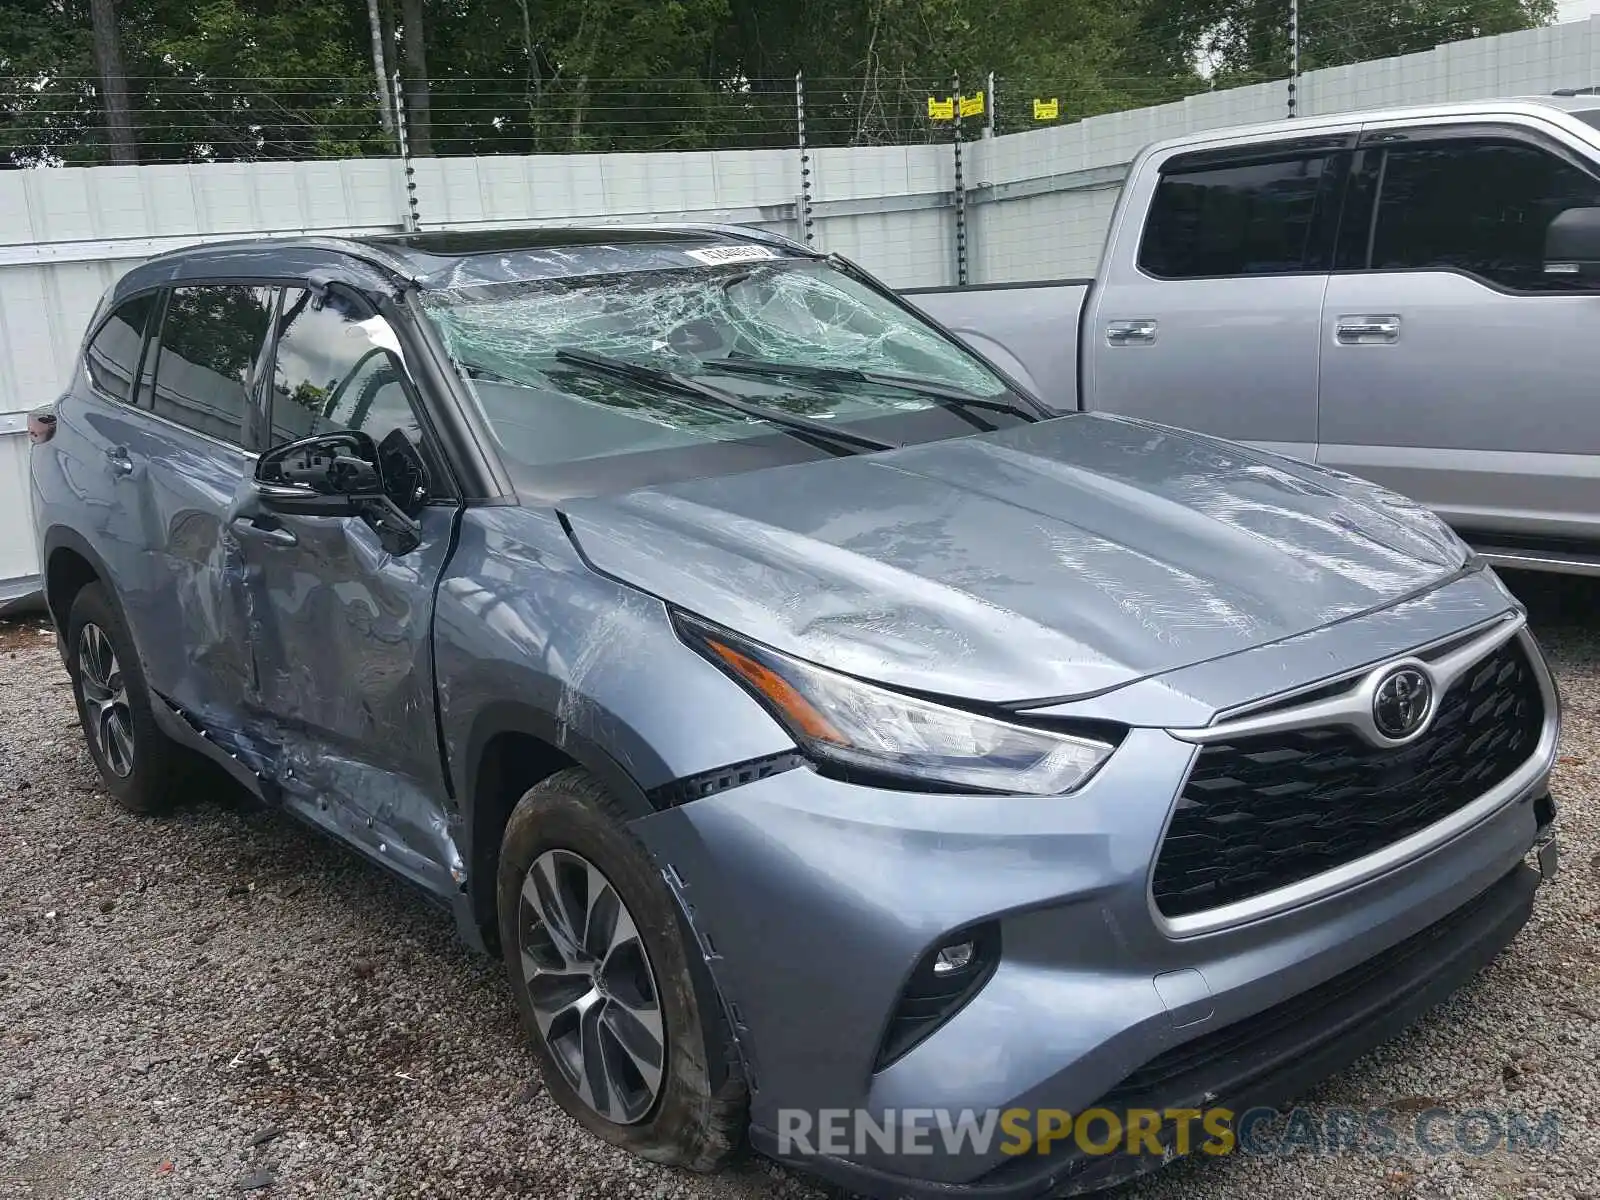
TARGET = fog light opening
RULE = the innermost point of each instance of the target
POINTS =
(949, 974)
(953, 959)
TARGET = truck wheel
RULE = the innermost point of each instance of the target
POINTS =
(142, 768)
(601, 973)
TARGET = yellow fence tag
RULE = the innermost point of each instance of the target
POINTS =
(941, 110)
(972, 106)
(1046, 110)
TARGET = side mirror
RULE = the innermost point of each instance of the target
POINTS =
(342, 475)
(331, 475)
(1572, 247)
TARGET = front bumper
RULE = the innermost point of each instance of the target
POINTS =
(1263, 1062)
(813, 899)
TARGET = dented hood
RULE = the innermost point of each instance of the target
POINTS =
(1046, 561)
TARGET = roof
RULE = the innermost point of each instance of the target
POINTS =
(1560, 109)
(452, 258)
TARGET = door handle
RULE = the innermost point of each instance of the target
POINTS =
(276, 534)
(117, 458)
(1140, 332)
(1367, 331)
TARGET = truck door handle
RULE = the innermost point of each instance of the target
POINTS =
(117, 458)
(1367, 331)
(1140, 332)
(276, 534)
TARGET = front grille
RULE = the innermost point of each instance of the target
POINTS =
(1263, 812)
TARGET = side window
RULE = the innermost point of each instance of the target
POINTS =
(335, 370)
(1474, 205)
(211, 339)
(113, 356)
(1257, 218)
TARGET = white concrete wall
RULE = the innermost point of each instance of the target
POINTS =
(17, 554)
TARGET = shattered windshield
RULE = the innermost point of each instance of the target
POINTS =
(852, 355)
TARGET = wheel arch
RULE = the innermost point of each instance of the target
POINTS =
(511, 747)
(514, 745)
(70, 565)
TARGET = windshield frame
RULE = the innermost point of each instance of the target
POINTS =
(549, 483)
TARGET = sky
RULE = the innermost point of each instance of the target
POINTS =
(1576, 10)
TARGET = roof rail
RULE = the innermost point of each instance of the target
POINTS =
(361, 251)
(746, 233)
(1591, 90)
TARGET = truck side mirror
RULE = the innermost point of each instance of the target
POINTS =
(1572, 247)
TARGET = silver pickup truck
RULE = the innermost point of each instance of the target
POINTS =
(1412, 295)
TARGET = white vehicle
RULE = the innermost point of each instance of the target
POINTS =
(1411, 295)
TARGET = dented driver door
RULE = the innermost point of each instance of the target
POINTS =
(340, 625)
(183, 587)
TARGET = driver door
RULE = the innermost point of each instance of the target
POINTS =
(341, 626)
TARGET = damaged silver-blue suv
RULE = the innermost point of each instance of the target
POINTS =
(832, 741)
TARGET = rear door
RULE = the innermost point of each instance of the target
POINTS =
(1453, 369)
(1207, 317)
(184, 461)
(341, 627)
(101, 484)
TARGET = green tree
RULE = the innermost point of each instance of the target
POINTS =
(1247, 41)
(107, 43)
(217, 79)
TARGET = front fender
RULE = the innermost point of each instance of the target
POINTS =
(529, 638)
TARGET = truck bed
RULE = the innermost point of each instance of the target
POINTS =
(1030, 330)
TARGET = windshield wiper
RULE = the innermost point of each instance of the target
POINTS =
(672, 381)
(948, 393)
(490, 374)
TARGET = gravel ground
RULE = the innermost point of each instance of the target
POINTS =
(220, 1002)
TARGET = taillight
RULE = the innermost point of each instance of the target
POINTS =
(41, 427)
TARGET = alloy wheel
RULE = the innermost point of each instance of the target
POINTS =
(591, 986)
(105, 700)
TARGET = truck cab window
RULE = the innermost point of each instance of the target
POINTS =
(1257, 218)
(1475, 205)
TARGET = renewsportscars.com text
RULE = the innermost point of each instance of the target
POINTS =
(844, 1132)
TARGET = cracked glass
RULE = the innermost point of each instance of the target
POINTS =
(504, 338)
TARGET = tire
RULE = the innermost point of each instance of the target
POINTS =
(142, 768)
(567, 825)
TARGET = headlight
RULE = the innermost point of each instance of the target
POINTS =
(856, 726)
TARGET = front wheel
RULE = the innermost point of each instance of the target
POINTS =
(603, 981)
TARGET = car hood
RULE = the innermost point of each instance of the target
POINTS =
(1046, 561)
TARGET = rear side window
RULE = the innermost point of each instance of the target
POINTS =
(1474, 205)
(1258, 218)
(113, 355)
(211, 340)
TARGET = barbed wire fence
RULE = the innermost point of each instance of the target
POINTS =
(57, 123)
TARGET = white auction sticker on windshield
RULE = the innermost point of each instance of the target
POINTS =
(716, 255)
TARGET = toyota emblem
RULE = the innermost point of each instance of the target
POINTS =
(1401, 703)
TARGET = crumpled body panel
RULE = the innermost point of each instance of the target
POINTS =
(341, 633)
(1050, 560)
